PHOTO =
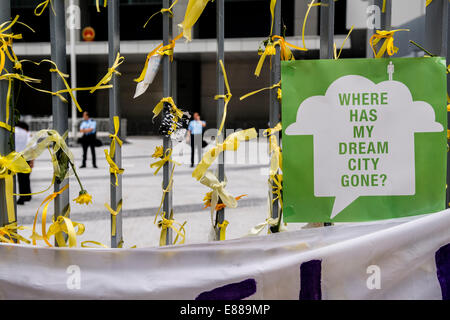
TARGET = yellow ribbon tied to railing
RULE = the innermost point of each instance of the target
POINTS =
(276, 85)
(210, 180)
(114, 214)
(9, 233)
(222, 229)
(42, 6)
(167, 157)
(160, 106)
(10, 165)
(271, 131)
(114, 137)
(277, 186)
(231, 143)
(269, 50)
(168, 10)
(113, 167)
(65, 225)
(194, 10)
(165, 224)
(226, 97)
(270, 222)
(108, 76)
(388, 44)
(276, 158)
(285, 52)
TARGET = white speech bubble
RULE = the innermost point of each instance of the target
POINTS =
(377, 156)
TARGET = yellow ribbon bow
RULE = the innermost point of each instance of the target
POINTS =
(388, 44)
(168, 10)
(160, 106)
(276, 85)
(231, 143)
(105, 3)
(226, 97)
(165, 224)
(268, 51)
(285, 52)
(113, 168)
(114, 137)
(160, 163)
(114, 213)
(210, 180)
(194, 10)
(271, 131)
(222, 227)
(270, 222)
(44, 5)
(65, 225)
(108, 76)
(45, 203)
(10, 165)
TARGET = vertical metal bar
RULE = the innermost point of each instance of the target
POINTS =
(326, 29)
(327, 36)
(5, 144)
(114, 110)
(386, 16)
(220, 22)
(275, 105)
(167, 91)
(437, 35)
(59, 108)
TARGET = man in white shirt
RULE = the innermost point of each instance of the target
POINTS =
(195, 134)
(22, 137)
(89, 129)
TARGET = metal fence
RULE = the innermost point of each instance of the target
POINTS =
(437, 41)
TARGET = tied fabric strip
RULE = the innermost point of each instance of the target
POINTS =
(388, 44)
(231, 143)
(9, 233)
(114, 214)
(226, 97)
(114, 137)
(194, 10)
(271, 131)
(210, 180)
(270, 222)
(222, 229)
(10, 165)
(108, 76)
(166, 158)
(65, 225)
(160, 106)
(276, 157)
(285, 52)
(276, 85)
(113, 167)
(165, 224)
(168, 10)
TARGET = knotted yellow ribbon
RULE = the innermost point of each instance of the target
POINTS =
(226, 97)
(105, 3)
(276, 85)
(65, 225)
(44, 5)
(167, 50)
(113, 167)
(10, 165)
(166, 158)
(45, 203)
(231, 143)
(160, 106)
(194, 10)
(210, 180)
(168, 10)
(108, 76)
(114, 137)
(268, 51)
(222, 227)
(9, 233)
(271, 131)
(165, 224)
(114, 213)
(388, 44)
(285, 52)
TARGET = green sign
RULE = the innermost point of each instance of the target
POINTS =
(363, 139)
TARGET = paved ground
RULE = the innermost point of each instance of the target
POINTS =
(246, 172)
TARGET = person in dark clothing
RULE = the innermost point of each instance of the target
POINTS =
(22, 137)
(195, 134)
(89, 129)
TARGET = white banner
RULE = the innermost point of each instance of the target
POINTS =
(398, 259)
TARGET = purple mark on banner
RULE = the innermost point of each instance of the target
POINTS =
(442, 258)
(310, 280)
(232, 291)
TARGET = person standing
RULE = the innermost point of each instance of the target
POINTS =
(195, 134)
(22, 137)
(89, 129)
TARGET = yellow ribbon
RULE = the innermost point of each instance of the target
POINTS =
(194, 10)
(114, 213)
(45, 203)
(168, 10)
(113, 168)
(9, 232)
(388, 44)
(336, 56)
(428, 2)
(271, 131)
(285, 52)
(105, 3)
(210, 180)
(168, 50)
(108, 76)
(226, 97)
(270, 222)
(268, 51)
(65, 225)
(84, 244)
(310, 5)
(114, 137)
(44, 5)
(222, 227)
(160, 106)
(10, 165)
(277, 187)
(231, 143)
(166, 158)
(276, 158)
(165, 224)
(276, 85)
(165, 191)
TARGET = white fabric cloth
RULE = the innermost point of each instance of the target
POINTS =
(22, 137)
(404, 250)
